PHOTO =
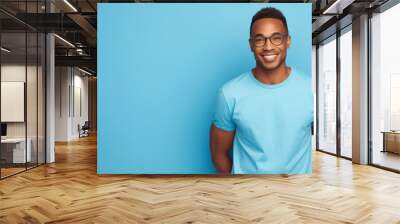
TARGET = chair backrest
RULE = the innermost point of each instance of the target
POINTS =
(86, 124)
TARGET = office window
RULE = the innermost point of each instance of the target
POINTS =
(394, 101)
(385, 87)
(346, 93)
(327, 95)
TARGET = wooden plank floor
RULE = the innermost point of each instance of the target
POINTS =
(70, 191)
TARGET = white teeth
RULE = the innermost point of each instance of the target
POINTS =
(269, 58)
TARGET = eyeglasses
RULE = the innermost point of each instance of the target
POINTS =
(275, 39)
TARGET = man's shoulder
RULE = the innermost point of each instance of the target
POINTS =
(235, 84)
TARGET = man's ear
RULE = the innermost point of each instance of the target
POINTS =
(288, 41)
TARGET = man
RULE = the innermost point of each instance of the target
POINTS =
(265, 114)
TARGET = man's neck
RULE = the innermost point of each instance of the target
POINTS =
(272, 77)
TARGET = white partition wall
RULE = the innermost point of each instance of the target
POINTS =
(71, 102)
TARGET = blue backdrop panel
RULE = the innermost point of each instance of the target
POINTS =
(159, 69)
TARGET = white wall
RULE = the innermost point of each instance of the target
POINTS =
(79, 117)
(70, 84)
(62, 81)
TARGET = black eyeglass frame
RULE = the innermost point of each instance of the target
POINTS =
(284, 35)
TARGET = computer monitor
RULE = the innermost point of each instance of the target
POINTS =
(3, 129)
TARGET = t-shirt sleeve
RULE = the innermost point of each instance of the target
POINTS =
(223, 113)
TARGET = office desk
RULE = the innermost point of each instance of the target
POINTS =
(15, 148)
(391, 141)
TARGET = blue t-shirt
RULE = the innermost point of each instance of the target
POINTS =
(272, 122)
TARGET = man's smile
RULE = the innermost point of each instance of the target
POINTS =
(269, 57)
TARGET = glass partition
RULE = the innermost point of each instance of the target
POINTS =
(346, 93)
(14, 153)
(385, 89)
(22, 78)
(327, 96)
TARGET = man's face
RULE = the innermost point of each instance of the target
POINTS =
(269, 56)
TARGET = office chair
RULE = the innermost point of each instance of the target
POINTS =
(84, 130)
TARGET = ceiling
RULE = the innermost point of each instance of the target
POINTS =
(75, 21)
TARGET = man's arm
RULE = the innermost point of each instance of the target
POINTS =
(220, 143)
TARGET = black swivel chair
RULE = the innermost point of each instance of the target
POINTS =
(84, 130)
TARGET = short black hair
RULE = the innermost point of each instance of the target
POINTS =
(269, 12)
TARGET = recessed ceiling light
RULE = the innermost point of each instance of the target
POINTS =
(338, 6)
(5, 50)
(71, 6)
(84, 71)
(64, 40)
